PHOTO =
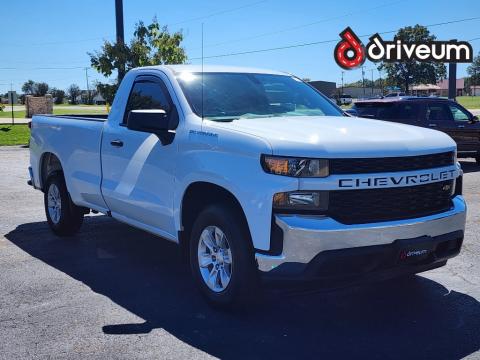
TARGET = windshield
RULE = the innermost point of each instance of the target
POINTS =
(230, 96)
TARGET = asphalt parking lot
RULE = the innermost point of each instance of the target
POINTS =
(116, 292)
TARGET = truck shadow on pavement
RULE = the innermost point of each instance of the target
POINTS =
(417, 318)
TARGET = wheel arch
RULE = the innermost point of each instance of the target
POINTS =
(199, 195)
(49, 163)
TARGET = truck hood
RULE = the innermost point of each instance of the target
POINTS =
(339, 136)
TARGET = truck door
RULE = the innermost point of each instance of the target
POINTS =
(439, 117)
(138, 171)
(466, 133)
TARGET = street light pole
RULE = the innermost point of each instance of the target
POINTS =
(120, 35)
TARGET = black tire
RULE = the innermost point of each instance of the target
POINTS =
(244, 276)
(70, 216)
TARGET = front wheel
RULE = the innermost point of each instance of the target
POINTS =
(222, 257)
(63, 216)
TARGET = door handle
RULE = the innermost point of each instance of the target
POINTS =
(432, 125)
(461, 126)
(116, 143)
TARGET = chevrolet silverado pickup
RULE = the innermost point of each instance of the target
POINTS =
(256, 175)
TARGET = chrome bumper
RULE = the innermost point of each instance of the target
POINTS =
(304, 237)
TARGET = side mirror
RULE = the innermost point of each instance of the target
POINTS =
(152, 121)
(474, 119)
(155, 121)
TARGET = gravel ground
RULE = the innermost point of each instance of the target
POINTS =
(116, 292)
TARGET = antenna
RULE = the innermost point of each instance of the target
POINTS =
(202, 73)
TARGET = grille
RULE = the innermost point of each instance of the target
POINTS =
(376, 205)
(390, 164)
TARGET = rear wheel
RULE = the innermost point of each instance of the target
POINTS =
(222, 258)
(63, 216)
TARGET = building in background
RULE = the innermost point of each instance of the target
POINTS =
(426, 90)
(439, 89)
(360, 92)
(83, 97)
(327, 88)
(475, 90)
(460, 85)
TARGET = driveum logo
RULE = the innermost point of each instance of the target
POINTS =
(350, 52)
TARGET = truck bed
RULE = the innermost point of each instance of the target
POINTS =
(75, 140)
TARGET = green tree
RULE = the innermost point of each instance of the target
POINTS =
(28, 87)
(58, 95)
(474, 71)
(73, 93)
(408, 72)
(151, 45)
(40, 89)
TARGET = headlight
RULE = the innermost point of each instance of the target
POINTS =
(301, 200)
(296, 167)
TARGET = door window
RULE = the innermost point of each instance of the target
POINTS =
(459, 114)
(438, 112)
(405, 111)
(147, 95)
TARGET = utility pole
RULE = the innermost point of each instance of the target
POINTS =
(342, 81)
(88, 88)
(11, 103)
(372, 80)
(381, 80)
(120, 35)
(363, 80)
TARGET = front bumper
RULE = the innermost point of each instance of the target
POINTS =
(306, 238)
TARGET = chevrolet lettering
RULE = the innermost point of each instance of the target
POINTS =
(392, 181)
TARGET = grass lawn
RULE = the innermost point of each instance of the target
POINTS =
(14, 135)
(78, 111)
(470, 102)
(8, 114)
(86, 111)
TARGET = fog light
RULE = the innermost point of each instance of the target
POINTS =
(301, 200)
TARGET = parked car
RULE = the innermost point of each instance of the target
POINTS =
(435, 113)
(343, 99)
(395, 94)
(256, 175)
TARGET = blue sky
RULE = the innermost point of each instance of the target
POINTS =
(47, 33)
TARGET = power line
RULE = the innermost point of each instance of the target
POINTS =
(322, 42)
(44, 68)
(301, 26)
(111, 36)
(218, 13)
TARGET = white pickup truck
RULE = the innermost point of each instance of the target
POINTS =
(255, 175)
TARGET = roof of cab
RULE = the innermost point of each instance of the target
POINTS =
(402, 98)
(176, 69)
